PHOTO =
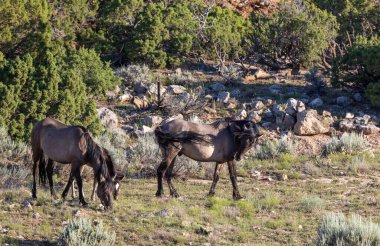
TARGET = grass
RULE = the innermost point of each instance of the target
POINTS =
(348, 143)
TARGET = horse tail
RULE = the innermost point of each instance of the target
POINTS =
(42, 174)
(181, 137)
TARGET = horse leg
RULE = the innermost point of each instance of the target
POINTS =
(34, 188)
(215, 179)
(169, 176)
(68, 185)
(169, 152)
(73, 186)
(95, 185)
(49, 171)
(78, 178)
(232, 170)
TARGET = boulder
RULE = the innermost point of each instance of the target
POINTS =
(139, 103)
(241, 114)
(176, 89)
(369, 129)
(310, 123)
(343, 101)
(289, 121)
(108, 118)
(258, 105)
(125, 97)
(294, 106)
(152, 121)
(217, 87)
(349, 115)
(316, 103)
(254, 117)
(153, 89)
(223, 96)
(140, 88)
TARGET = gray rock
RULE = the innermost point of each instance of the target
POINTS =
(346, 125)
(293, 106)
(153, 89)
(223, 96)
(349, 115)
(316, 103)
(258, 105)
(108, 118)
(235, 93)
(254, 117)
(310, 123)
(152, 121)
(217, 87)
(289, 121)
(36, 215)
(125, 97)
(175, 89)
(241, 114)
(146, 129)
(369, 129)
(26, 205)
(343, 101)
(140, 88)
(267, 114)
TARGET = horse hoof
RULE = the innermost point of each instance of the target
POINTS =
(159, 194)
(85, 204)
(175, 195)
(238, 197)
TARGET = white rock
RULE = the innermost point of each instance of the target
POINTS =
(293, 106)
(310, 123)
(108, 118)
(223, 96)
(176, 89)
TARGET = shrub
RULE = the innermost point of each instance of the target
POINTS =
(311, 203)
(133, 74)
(298, 33)
(12, 150)
(231, 73)
(272, 149)
(335, 229)
(83, 232)
(347, 143)
(12, 175)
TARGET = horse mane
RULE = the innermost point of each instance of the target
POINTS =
(223, 121)
(95, 152)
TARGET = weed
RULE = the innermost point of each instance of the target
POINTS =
(272, 149)
(348, 143)
(133, 74)
(311, 203)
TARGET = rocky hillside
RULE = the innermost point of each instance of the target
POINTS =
(245, 7)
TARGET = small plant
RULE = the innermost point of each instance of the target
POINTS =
(12, 150)
(182, 78)
(82, 232)
(335, 229)
(11, 175)
(348, 143)
(231, 73)
(133, 74)
(311, 203)
(272, 149)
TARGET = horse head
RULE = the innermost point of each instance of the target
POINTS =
(246, 134)
(109, 187)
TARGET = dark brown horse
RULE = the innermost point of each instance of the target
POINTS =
(54, 141)
(220, 142)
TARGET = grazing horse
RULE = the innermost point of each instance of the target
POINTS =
(220, 142)
(54, 141)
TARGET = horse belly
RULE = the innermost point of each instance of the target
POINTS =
(201, 153)
(57, 150)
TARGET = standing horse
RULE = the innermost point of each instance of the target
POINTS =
(54, 141)
(220, 142)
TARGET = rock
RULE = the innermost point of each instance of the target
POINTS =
(36, 215)
(275, 89)
(289, 121)
(209, 97)
(176, 89)
(258, 105)
(235, 93)
(140, 88)
(346, 125)
(217, 87)
(223, 96)
(125, 97)
(184, 96)
(152, 89)
(358, 97)
(77, 213)
(108, 118)
(267, 114)
(349, 115)
(241, 114)
(254, 117)
(178, 71)
(316, 103)
(162, 213)
(268, 102)
(369, 129)
(277, 110)
(152, 121)
(310, 123)
(204, 230)
(230, 105)
(343, 101)
(268, 125)
(293, 106)
(139, 103)
(146, 129)
(26, 205)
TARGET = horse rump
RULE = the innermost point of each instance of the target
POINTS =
(180, 137)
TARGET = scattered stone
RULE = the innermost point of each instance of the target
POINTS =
(115, 219)
(4, 231)
(293, 106)
(343, 101)
(282, 177)
(125, 97)
(223, 96)
(254, 117)
(139, 103)
(372, 201)
(77, 213)
(256, 174)
(36, 215)
(176, 89)
(349, 115)
(316, 103)
(217, 87)
(369, 129)
(178, 71)
(162, 213)
(267, 114)
(152, 121)
(289, 121)
(209, 97)
(241, 114)
(258, 105)
(230, 105)
(146, 129)
(310, 123)
(26, 205)
(358, 97)
(346, 125)
(153, 89)
(140, 88)
(108, 118)
(268, 102)
(204, 230)
(261, 74)
(210, 110)
(185, 96)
